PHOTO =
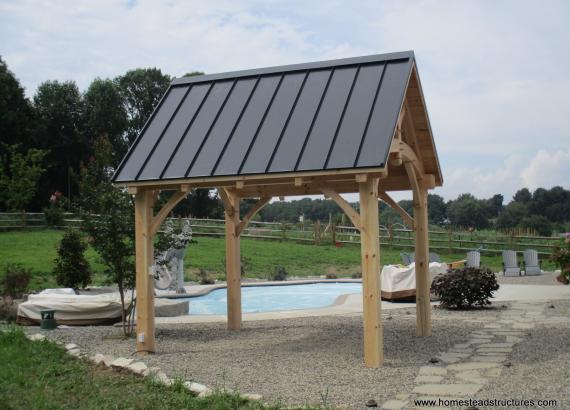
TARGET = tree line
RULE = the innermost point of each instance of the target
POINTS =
(47, 141)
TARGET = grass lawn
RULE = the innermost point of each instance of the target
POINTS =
(37, 250)
(41, 375)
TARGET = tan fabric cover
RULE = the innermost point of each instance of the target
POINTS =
(399, 282)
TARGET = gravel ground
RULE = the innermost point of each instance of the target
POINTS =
(540, 364)
(295, 361)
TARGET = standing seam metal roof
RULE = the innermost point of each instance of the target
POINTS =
(327, 115)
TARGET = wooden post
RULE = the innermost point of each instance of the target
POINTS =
(318, 232)
(423, 282)
(144, 279)
(233, 262)
(370, 250)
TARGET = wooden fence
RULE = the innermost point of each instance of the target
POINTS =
(444, 241)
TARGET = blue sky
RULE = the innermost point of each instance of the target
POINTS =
(494, 73)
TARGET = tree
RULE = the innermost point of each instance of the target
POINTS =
(522, 195)
(105, 114)
(108, 218)
(467, 211)
(537, 223)
(71, 269)
(512, 215)
(19, 176)
(59, 108)
(141, 90)
(17, 118)
(437, 209)
(495, 205)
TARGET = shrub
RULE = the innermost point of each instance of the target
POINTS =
(465, 288)
(8, 310)
(356, 275)
(16, 280)
(55, 212)
(561, 256)
(71, 269)
(331, 275)
(204, 278)
(279, 273)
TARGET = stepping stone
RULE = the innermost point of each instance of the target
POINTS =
(162, 378)
(481, 335)
(450, 358)
(137, 367)
(97, 359)
(107, 360)
(405, 396)
(523, 326)
(495, 350)
(74, 352)
(493, 372)
(455, 389)
(456, 350)
(206, 393)
(471, 376)
(462, 345)
(432, 371)
(121, 363)
(492, 326)
(490, 359)
(394, 404)
(195, 388)
(498, 345)
(71, 346)
(428, 379)
(478, 341)
(471, 366)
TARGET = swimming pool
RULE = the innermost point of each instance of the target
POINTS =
(273, 298)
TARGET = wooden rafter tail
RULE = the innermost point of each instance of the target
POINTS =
(352, 214)
(408, 220)
(254, 210)
(166, 209)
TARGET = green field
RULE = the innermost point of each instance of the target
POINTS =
(41, 375)
(37, 250)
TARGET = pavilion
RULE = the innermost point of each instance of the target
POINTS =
(356, 125)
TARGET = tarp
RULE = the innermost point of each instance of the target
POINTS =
(71, 309)
(400, 282)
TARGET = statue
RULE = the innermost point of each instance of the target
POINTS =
(168, 268)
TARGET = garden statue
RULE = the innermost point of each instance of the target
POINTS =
(168, 268)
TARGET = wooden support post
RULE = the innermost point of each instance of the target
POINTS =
(144, 201)
(370, 246)
(233, 260)
(423, 282)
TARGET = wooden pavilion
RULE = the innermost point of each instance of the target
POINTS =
(355, 125)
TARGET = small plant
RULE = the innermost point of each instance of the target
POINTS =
(15, 281)
(561, 256)
(356, 275)
(331, 275)
(204, 278)
(8, 310)
(71, 269)
(279, 273)
(54, 213)
(465, 288)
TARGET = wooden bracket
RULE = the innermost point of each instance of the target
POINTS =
(403, 152)
(254, 210)
(166, 209)
(352, 214)
(226, 201)
(408, 220)
(361, 178)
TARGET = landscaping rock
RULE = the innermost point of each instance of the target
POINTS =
(71, 346)
(74, 352)
(195, 388)
(428, 379)
(36, 337)
(471, 366)
(432, 371)
(121, 363)
(162, 378)
(252, 396)
(137, 367)
(394, 404)
(206, 393)
(97, 359)
(452, 389)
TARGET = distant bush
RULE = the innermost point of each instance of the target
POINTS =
(71, 269)
(465, 288)
(8, 310)
(15, 281)
(279, 273)
(331, 275)
(204, 278)
(356, 275)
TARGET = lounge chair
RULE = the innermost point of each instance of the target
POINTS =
(473, 259)
(434, 257)
(407, 258)
(531, 263)
(510, 265)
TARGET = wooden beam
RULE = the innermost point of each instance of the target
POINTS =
(408, 220)
(226, 201)
(399, 149)
(361, 178)
(370, 250)
(254, 210)
(166, 209)
(299, 181)
(144, 280)
(233, 261)
(343, 204)
(423, 283)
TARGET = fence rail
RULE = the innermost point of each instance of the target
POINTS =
(440, 240)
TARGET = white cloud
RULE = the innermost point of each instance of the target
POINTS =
(548, 169)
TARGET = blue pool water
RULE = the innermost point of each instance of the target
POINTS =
(274, 298)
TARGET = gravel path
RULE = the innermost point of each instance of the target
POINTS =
(296, 361)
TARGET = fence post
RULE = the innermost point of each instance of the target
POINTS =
(318, 232)
(333, 233)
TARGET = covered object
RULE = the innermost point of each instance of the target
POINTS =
(331, 127)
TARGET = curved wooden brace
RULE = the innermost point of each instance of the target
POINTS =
(407, 154)
(410, 170)
(166, 209)
(226, 201)
(247, 218)
(408, 220)
(352, 214)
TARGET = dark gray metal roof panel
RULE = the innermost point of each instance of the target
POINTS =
(327, 115)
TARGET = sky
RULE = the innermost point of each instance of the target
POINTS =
(494, 72)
